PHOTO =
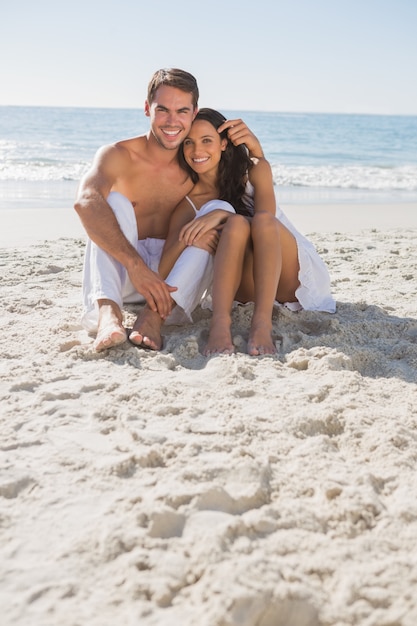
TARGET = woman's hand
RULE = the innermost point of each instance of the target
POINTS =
(209, 241)
(193, 231)
(239, 133)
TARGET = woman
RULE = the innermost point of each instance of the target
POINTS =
(259, 258)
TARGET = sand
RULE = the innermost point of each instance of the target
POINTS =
(141, 488)
(19, 227)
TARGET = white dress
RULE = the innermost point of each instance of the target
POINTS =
(314, 292)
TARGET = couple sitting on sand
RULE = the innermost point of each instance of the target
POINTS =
(186, 208)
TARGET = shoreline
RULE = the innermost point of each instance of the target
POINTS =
(22, 227)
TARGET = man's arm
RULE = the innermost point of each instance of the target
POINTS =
(93, 210)
(103, 228)
(239, 133)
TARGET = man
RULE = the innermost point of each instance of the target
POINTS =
(125, 202)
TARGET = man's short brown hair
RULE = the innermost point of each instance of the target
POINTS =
(173, 77)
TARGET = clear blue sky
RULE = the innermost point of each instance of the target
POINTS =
(353, 56)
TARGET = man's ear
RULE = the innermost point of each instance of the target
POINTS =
(195, 113)
(147, 109)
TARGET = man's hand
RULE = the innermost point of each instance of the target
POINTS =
(151, 286)
(239, 133)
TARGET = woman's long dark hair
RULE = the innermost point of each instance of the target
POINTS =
(233, 166)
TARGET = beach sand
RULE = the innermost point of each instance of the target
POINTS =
(142, 488)
(19, 227)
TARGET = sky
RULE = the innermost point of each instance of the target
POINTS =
(336, 56)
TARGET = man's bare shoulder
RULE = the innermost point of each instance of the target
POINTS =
(135, 147)
(121, 153)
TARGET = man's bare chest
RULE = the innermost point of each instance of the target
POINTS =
(152, 192)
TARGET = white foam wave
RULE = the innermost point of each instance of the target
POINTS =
(40, 161)
(403, 178)
(46, 163)
(32, 171)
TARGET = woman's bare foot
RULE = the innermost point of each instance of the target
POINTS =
(110, 328)
(260, 339)
(220, 338)
(146, 331)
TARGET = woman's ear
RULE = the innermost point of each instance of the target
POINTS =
(223, 144)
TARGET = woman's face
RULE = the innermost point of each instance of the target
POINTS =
(203, 147)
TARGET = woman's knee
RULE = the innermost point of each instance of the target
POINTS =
(262, 221)
(237, 225)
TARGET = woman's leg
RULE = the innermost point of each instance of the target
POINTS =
(267, 263)
(228, 263)
(274, 277)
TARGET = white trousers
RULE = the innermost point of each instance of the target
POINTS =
(104, 278)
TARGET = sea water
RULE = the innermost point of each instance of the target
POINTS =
(315, 158)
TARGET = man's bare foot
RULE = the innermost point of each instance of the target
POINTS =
(110, 328)
(220, 338)
(260, 340)
(146, 331)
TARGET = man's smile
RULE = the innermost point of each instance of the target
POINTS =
(171, 133)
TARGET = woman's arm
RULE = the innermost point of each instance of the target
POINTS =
(184, 231)
(260, 176)
(173, 246)
(193, 232)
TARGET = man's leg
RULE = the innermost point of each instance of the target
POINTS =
(110, 330)
(192, 274)
(105, 281)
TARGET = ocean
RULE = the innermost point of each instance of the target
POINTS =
(316, 158)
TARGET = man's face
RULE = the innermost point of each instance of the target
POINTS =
(171, 114)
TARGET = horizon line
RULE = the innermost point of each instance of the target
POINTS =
(243, 110)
